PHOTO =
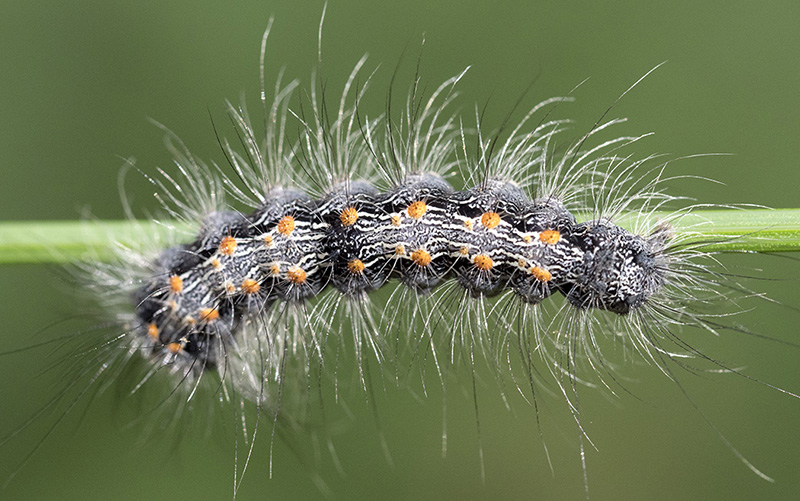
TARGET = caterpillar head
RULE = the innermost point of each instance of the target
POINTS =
(620, 271)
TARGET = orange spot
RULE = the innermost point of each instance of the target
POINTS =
(527, 239)
(173, 305)
(250, 286)
(356, 266)
(483, 262)
(229, 287)
(396, 219)
(421, 257)
(468, 224)
(268, 240)
(550, 236)
(227, 246)
(490, 219)
(216, 264)
(296, 275)
(399, 250)
(275, 269)
(175, 347)
(175, 284)
(464, 251)
(417, 209)
(521, 262)
(349, 216)
(152, 331)
(540, 274)
(209, 314)
(286, 226)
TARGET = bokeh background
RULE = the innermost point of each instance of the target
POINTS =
(78, 81)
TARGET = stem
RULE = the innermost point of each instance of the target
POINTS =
(737, 230)
(69, 241)
(726, 230)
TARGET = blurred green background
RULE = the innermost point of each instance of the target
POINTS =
(78, 81)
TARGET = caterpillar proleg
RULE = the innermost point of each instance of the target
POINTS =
(333, 255)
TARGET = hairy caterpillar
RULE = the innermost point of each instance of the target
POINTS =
(397, 322)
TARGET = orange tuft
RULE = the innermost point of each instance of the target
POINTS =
(296, 275)
(349, 216)
(421, 257)
(399, 250)
(175, 284)
(356, 266)
(216, 264)
(540, 274)
(275, 269)
(490, 220)
(483, 262)
(250, 286)
(468, 224)
(417, 209)
(152, 331)
(396, 220)
(209, 314)
(286, 225)
(464, 250)
(175, 347)
(268, 240)
(227, 246)
(550, 237)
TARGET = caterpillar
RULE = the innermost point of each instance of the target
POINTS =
(214, 302)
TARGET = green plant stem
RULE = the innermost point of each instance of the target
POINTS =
(738, 230)
(724, 230)
(67, 241)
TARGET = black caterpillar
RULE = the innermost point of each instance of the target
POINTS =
(489, 238)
